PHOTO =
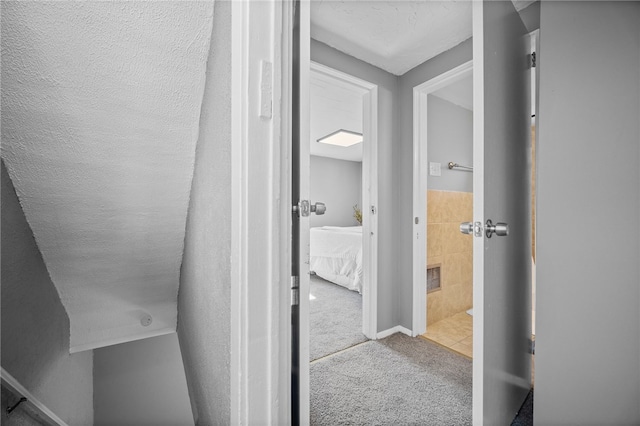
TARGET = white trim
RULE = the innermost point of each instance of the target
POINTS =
(369, 190)
(16, 388)
(393, 330)
(420, 94)
(282, 109)
(478, 213)
(119, 340)
(238, 358)
(259, 369)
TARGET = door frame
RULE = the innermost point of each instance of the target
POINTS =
(369, 191)
(420, 96)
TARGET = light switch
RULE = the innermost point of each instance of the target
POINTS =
(434, 169)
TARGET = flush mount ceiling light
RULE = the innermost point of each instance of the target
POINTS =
(342, 138)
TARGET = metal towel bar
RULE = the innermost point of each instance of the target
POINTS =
(453, 165)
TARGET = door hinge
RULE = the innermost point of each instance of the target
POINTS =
(533, 59)
(295, 291)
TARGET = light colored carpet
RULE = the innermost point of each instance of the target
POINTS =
(335, 318)
(398, 380)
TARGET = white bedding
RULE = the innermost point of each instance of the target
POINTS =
(336, 255)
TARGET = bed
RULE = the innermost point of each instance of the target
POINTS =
(336, 255)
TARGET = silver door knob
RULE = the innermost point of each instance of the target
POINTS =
(500, 229)
(318, 208)
(466, 228)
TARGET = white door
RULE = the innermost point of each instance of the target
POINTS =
(501, 193)
(304, 207)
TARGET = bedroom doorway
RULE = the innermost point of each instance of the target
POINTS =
(443, 257)
(343, 175)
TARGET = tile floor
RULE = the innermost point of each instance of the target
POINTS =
(455, 332)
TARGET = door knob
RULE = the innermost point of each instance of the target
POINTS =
(304, 208)
(500, 229)
(318, 208)
(466, 228)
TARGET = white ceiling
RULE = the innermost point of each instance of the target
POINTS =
(459, 93)
(100, 111)
(333, 106)
(393, 35)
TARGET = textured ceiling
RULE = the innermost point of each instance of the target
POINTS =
(393, 35)
(100, 110)
(334, 105)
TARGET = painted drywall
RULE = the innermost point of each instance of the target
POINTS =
(402, 161)
(205, 279)
(387, 180)
(35, 326)
(588, 277)
(141, 383)
(338, 184)
(100, 109)
(449, 138)
(531, 16)
(395, 36)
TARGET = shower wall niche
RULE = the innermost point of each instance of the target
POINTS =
(451, 250)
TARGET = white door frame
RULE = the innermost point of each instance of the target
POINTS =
(369, 192)
(420, 96)
(260, 323)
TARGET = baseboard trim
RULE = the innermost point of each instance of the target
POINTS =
(396, 329)
(14, 387)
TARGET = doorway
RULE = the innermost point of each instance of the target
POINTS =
(449, 269)
(342, 87)
(447, 266)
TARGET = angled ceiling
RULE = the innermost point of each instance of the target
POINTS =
(458, 93)
(100, 111)
(393, 35)
(334, 105)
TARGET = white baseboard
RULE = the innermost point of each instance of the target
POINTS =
(14, 387)
(390, 331)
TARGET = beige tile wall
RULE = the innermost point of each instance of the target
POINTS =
(452, 250)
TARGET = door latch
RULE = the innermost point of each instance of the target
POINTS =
(477, 229)
(305, 208)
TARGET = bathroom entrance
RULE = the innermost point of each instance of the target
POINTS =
(449, 202)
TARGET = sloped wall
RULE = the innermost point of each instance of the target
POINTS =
(35, 325)
(205, 278)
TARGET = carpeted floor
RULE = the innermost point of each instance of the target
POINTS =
(398, 380)
(335, 318)
(525, 415)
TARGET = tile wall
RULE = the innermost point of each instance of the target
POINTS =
(452, 250)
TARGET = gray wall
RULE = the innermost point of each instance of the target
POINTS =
(205, 278)
(338, 184)
(387, 189)
(141, 383)
(450, 138)
(588, 273)
(35, 325)
(403, 172)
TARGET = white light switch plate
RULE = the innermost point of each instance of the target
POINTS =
(434, 169)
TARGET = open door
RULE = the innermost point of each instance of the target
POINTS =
(501, 205)
(301, 209)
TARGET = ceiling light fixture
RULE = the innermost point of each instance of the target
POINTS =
(343, 138)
